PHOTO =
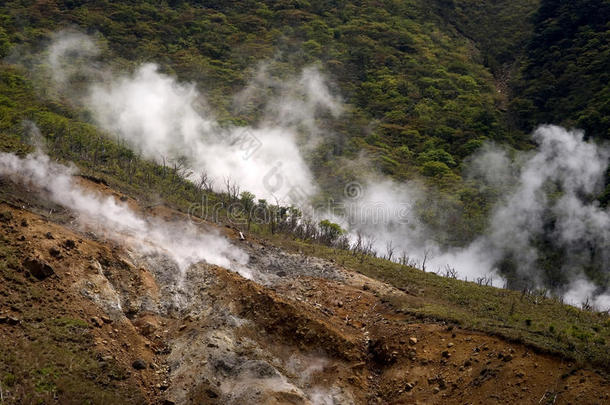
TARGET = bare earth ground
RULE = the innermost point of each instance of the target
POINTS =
(306, 332)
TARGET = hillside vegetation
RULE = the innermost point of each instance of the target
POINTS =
(425, 83)
(565, 76)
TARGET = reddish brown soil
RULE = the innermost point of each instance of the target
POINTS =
(376, 353)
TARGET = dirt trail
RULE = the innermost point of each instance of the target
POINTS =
(307, 332)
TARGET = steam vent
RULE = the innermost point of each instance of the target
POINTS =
(304, 202)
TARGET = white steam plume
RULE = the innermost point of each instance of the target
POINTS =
(389, 214)
(164, 118)
(70, 54)
(556, 181)
(180, 241)
(556, 185)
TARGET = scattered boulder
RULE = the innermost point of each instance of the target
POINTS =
(55, 252)
(69, 244)
(211, 393)
(96, 321)
(148, 328)
(38, 268)
(6, 216)
(139, 364)
(9, 320)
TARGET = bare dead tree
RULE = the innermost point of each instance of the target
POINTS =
(450, 272)
(389, 248)
(342, 242)
(424, 260)
(204, 182)
(369, 248)
(486, 281)
(404, 258)
(232, 190)
(357, 246)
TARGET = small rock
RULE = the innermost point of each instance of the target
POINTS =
(211, 394)
(450, 345)
(10, 320)
(413, 340)
(446, 354)
(507, 357)
(69, 244)
(436, 390)
(409, 386)
(96, 321)
(6, 216)
(49, 235)
(139, 364)
(105, 319)
(24, 223)
(55, 252)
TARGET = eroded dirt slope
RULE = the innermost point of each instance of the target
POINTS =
(132, 328)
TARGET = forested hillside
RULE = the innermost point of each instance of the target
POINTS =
(566, 73)
(425, 83)
(397, 63)
(145, 259)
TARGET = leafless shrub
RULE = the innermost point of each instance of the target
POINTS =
(204, 182)
(232, 190)
(424, 260)
(485, 280)
(449, 272)
(389, 251)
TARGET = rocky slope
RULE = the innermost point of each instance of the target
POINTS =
(86, 319)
